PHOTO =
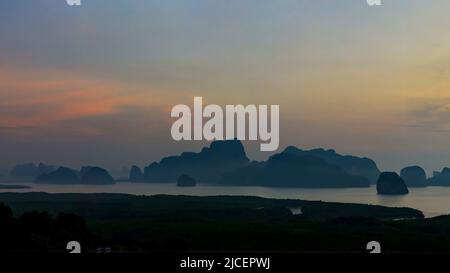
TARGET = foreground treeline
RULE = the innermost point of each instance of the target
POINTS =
(126, 223)
(38, 231)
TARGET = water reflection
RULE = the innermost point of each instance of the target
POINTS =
(432, 201)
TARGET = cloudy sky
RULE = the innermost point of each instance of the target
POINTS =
(95, 84)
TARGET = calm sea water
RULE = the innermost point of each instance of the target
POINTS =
(432, 201)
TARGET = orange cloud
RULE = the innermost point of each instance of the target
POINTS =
(36, 99)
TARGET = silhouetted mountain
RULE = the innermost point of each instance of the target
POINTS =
(43, 169)
(351, 164)
(30, 170)
(27, 170)
(186, 181)
(390, 183)
(87, 175)
(96, 175)
(289, 170)
(414, 176)
(136, 174)
(120, 173)
(61, 176)
(441, 178)
(207, 166)
(84, 170)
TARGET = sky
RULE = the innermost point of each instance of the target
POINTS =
(94, 85)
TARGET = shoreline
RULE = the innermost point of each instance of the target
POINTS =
(432, 201)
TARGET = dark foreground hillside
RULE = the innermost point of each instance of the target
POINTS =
(126, 223)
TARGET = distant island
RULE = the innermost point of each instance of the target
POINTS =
(441, 178)
(226, 163)
(207, 166)
(357, 166)
(390, 183)
(414, 176)
(186, 181)
(29, 171)
(288, 170)
(87, 175)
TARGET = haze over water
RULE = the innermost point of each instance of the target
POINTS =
(432, 201)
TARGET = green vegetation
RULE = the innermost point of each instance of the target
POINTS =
(184, 223)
